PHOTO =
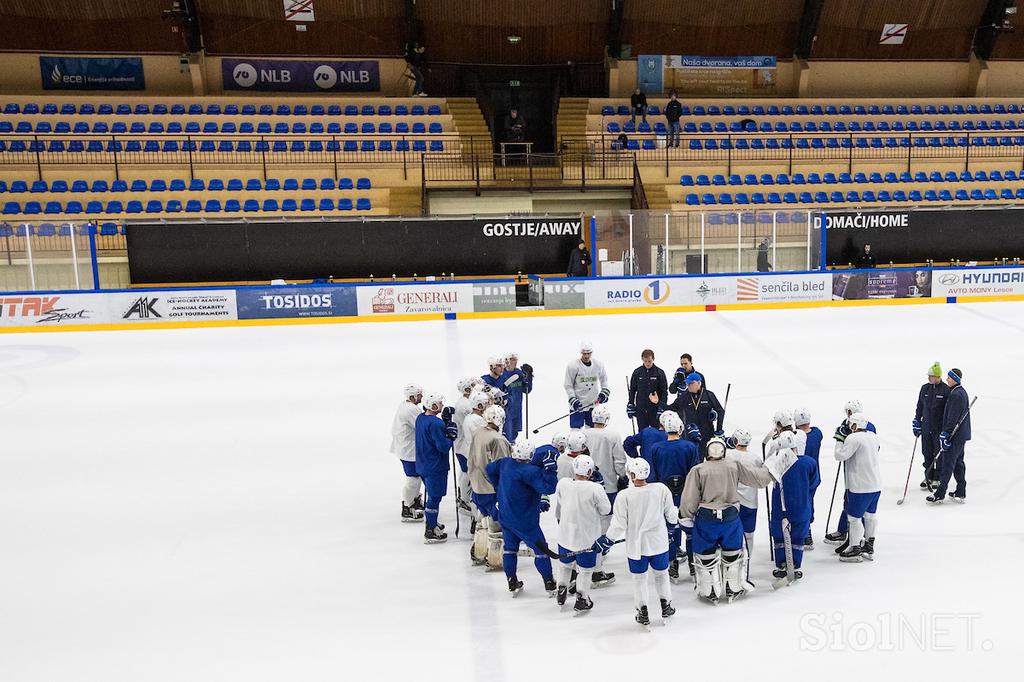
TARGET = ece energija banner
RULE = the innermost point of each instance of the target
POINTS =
(240, 252)
(92, 73)
(922, 235)
(285, 75)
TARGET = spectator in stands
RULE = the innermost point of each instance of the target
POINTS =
(673, 110)
(865, 261)
(579, 260)
(416, 59)
(638, 105)
(515, 126)
(762, 256)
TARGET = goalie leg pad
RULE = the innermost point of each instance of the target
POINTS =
(734, 565)
(709, 575)
(479, 552)
(495, 545)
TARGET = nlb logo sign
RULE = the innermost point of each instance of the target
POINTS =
(245, 75)
(652, 293)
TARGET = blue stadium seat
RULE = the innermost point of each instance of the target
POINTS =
(215, 185)
(326, 205)
(686, 180)
(173, 206)
(692, 200)
(289, 205)
(363, 204)
(212, 206)
(345, 183)
(39, 187)
(363, 183)
(251, 206)
(367, 146)
(914, 195)
(52, 208)
(154, 206)
(367, 110)
(138, 186)
(114, 207)
(270, 206)
(232, 206)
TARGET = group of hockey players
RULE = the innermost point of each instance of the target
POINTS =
(676, 493)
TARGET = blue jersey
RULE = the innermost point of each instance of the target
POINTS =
(494, 383)
(645, 439)
(431, 446)
(799, 483)
(519, 486)
(515, 383)
(673, 458)
(541, 451)
(813, 447)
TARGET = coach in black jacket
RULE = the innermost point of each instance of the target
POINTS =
(648, 392)
(956, 431)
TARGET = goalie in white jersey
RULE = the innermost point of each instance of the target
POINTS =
(586, 385)
(643, 515)
(582, 504)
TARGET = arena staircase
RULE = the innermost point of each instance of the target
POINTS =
(572, 118)
(470, 124)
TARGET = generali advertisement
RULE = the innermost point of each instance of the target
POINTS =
(411, 299)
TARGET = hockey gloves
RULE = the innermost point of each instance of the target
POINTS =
(842, 432)
(916, 426)
(602, 397)
(712, 416)
(630, 410)
(730, 443)
(693, 432)
(944, 440)
(545, 503)
(575, 405)
(603, 544)
(446, 414)
(528, 370)
(451, 430)
(622, 482)
(597, 476)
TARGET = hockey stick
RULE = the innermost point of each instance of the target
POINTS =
(910, 470)
(832, 502)
(458, 493)
(787, 544)
(767, 495)
(553, 421)
(632, 420)
(546, 550)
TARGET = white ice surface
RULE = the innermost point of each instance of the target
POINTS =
(220, 505)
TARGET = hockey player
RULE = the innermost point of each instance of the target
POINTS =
(711, 500)
(487, 446)
(604, 446)
(684, 370)
(699, 406)
(521, 488)
(646, 438)
(496, 367)
(473, 422)
(812, 437)
(648, 392)
(739, 442)
(586, 385)
(951, 457)
(863, 477)
(434, 437)
(783, 421)
(515, 382)
(462, 410)
(931, 406)
(582, 504)
(640, 515)
(557, 446)
(672, 460)
(797, 484)
(575, 445)
(403, 445)
(842, 431)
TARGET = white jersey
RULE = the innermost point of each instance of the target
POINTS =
(564, 463)
(470, 425)
(747, 494)
(583, 383)
(606, 450)
(639, 516)
(462, 410)
(773, 444)
(862, 472)
(801, 442)
(403, 431)
(579, 509)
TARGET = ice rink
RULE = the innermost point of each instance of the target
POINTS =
(221, 504)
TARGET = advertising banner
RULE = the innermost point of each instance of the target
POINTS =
(783, 288)
(278, 302)
(563, 294)
(92, 73)
(978, 282)
(285, 75)
(642, 293)
(494, 296)
(171, 306)
(858, 286)
(411, 299)
(52, 310)
(702, 75)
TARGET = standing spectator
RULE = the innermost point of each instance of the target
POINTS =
(637, 105)
(515, 126)
(865, 261)
(416, 59)
(648, 392)
(673, 110)
(762, 256)
(579, 260)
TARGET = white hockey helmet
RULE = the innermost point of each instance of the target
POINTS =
(638, 468)
(786, 441)
(412, 390)
(716, 448)
(742, 437)
(859, 420)
(667, 414)
(801, 416)
(433, 402)
(496, 361)
(582, 465)
(560, 441)
(853, 406)
(479, 400)
(671, 422)
(465, 383)
(576, 441)
(601, 414)
(783, 418)
(586, 347)
(495, 415)
(523, 451)
(511, 354)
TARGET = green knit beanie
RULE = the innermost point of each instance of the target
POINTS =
(935, 370)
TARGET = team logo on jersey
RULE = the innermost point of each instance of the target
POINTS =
(656, 292)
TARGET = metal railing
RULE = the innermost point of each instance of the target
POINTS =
(831, 147)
